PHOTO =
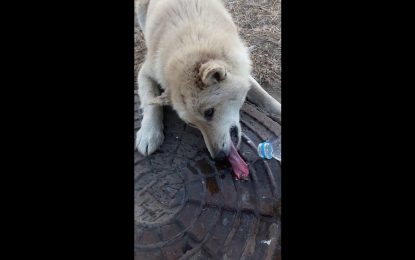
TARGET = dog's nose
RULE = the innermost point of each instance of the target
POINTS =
(234, 134)
(220, 156)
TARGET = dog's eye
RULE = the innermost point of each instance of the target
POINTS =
(209, 113)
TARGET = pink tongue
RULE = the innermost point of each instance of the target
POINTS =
(240, 168)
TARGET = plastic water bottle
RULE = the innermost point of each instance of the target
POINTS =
(270, 149)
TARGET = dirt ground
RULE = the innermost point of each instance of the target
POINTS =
(259, 24)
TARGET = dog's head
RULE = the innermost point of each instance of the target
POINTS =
(209, 97)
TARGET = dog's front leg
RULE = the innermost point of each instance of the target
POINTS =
(150, 136)
(265, 101)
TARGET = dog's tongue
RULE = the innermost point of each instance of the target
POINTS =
(240, 168)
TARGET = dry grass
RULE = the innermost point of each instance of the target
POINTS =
(259, 25)
(139, 49)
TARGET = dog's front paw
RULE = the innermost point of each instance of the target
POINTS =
(148, 140)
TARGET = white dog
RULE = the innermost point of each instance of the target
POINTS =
(197, 57)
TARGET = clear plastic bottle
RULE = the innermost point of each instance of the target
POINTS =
(270, 149)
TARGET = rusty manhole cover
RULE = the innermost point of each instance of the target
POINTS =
(188, 207)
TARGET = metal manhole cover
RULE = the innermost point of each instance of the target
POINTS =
(189, 207)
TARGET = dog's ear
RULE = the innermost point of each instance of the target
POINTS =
(212, 72)
(163, 99)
